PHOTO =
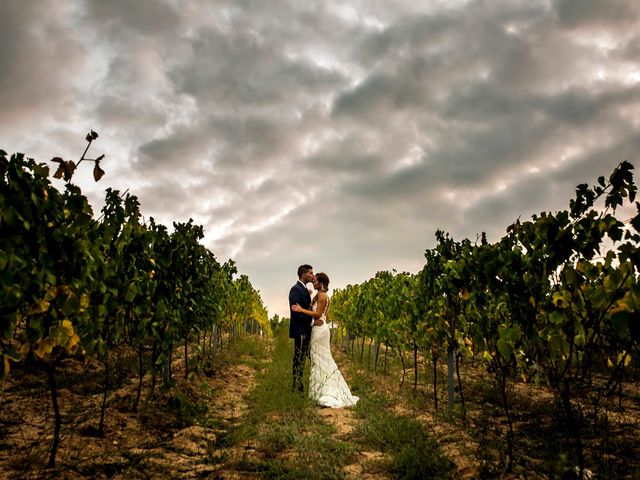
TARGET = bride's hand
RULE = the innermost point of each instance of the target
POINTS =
(296, 308)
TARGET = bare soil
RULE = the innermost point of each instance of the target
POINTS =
(476, 444)
(181, 432)
(163, 439)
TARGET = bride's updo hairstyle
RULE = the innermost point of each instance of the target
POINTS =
(323, 279)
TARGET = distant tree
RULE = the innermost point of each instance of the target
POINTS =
(277, 322)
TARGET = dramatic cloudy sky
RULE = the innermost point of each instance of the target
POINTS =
(339, 133)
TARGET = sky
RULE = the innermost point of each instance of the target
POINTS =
(337, 133)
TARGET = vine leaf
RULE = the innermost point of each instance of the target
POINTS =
(69, 169)
(98, 173)
(61, 167)
(65, 168)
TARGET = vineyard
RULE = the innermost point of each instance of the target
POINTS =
(521, 355)
(73, 285)
(546, 305)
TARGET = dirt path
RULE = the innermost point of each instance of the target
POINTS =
(192, 452)
(230, 407)
(458, 445)
(344, 421)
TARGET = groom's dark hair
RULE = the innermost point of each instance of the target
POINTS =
(302, 269)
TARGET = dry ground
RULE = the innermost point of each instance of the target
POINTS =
(172, 436)
(205, 426)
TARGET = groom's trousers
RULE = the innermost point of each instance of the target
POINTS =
(300, 352)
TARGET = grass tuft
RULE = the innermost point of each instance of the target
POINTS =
(414, 454)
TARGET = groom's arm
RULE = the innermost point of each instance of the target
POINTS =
(296, 296)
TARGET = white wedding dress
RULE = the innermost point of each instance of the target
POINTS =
(326, 384)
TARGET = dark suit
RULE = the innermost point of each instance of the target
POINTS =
(300, 326)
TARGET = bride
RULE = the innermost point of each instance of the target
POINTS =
(326, 384)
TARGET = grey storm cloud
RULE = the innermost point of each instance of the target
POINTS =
(36, 63)
(146, 17)
(581, 13)
(342, 134)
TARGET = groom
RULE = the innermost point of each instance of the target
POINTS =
(300, 324)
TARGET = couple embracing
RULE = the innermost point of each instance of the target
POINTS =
(311, 337)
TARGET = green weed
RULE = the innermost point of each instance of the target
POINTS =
(414, 454)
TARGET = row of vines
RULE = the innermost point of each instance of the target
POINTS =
(75, 285)
(554, 302)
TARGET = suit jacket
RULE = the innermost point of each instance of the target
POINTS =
(300, 323)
